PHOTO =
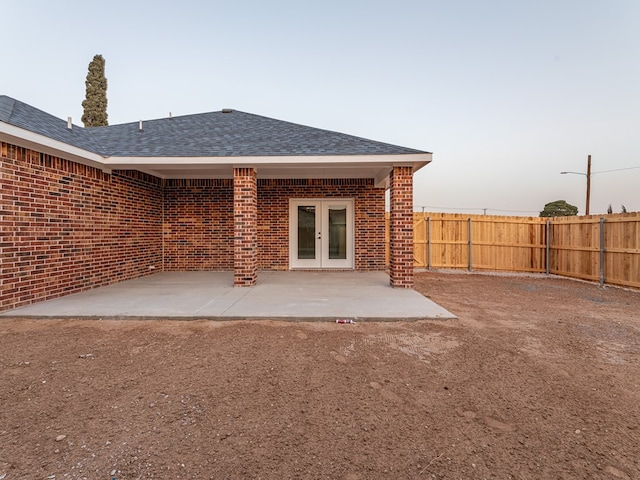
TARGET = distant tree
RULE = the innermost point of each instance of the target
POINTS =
(95, 102)
(559, 208)
(624, 209)
(610, 209)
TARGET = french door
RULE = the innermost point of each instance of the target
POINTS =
(321, 233)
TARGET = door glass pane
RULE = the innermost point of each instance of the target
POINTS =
(338, 233)
(306, 232)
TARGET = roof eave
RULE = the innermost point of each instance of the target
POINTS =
(416, 160)
(41, 143)
(312, 166)
(377, 166)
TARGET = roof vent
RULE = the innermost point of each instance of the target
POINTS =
(140, 126)
(227, 110)
(69, 124)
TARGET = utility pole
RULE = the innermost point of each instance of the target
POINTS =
(588, 184)
(588, 175)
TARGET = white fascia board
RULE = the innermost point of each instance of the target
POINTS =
(414, 160)
(24, 138)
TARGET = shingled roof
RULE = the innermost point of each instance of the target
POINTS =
(25, 116)
(207, 145)
(226, 133)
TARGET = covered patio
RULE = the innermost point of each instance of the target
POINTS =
(282, 295)
(218, 191)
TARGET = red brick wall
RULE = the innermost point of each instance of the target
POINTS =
(198, 224)
(273, 218)
(401, 228)
(66, 227)
(198, 221)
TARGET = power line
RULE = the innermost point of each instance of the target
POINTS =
(514, 211)
(467, 209)
(615, 170)
(484, 210)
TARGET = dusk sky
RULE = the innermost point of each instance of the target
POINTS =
(506, 94)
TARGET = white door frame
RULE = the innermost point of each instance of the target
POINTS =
(322, 260)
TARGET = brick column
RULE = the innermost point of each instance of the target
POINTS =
(245, 221)
(401, 228)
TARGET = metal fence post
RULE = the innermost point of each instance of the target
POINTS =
(601, 251)
(470, 246)
(548, 242)
(428, 243)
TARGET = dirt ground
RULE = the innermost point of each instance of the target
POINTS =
(539, 378)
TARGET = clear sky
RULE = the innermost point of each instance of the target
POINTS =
(505, 93)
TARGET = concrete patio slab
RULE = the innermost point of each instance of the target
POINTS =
(277, 295)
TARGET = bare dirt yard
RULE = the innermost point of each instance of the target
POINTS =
(539, 378)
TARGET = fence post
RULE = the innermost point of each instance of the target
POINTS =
(470, 246)
(548, 242)
(428, 243)
(601, 251)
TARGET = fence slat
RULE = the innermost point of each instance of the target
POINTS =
(576, 247)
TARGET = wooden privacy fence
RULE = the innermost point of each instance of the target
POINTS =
(598, 248)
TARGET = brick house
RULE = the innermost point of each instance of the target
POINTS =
(227, 190)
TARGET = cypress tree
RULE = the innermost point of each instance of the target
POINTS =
(95, 102)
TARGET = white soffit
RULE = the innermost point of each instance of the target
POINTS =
(352, 166)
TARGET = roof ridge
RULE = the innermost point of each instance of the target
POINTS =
(174, 117)
(334, 132)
